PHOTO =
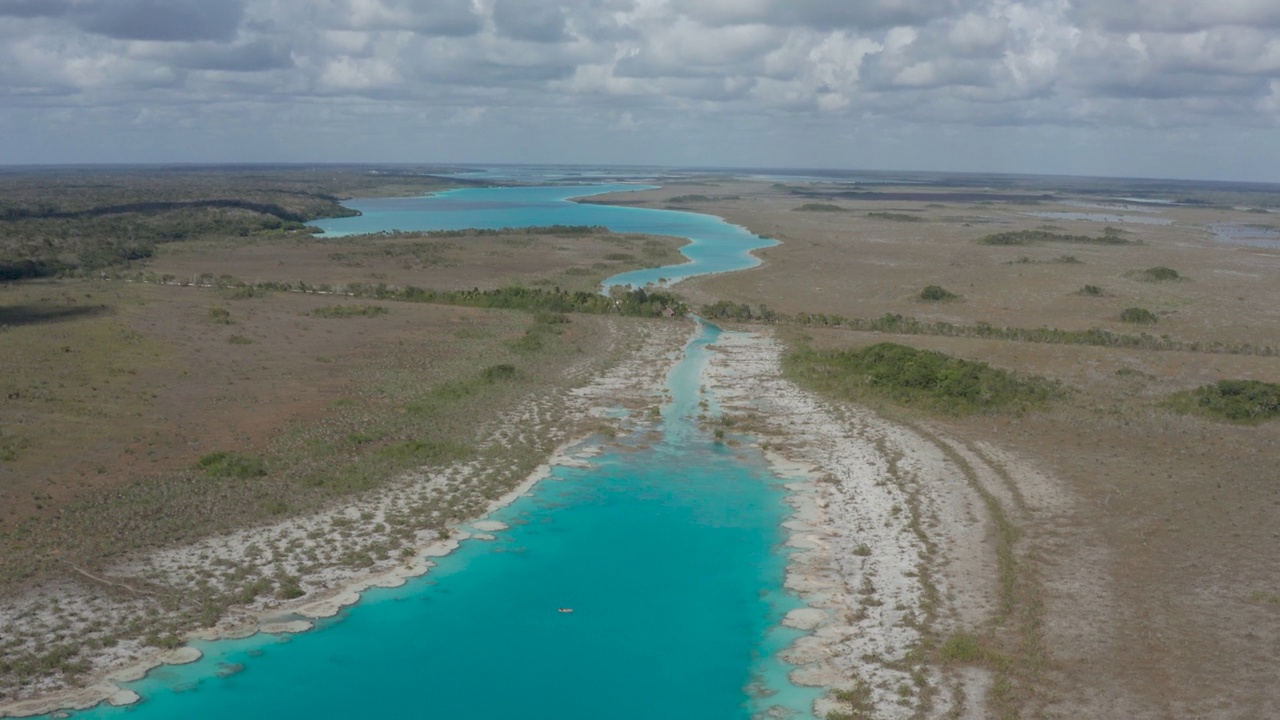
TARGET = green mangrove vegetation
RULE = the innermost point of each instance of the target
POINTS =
(1110, 236)
(923, 379)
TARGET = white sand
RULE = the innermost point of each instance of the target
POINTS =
(489, 526)
(856, 482)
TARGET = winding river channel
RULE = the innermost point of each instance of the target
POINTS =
(670, 552)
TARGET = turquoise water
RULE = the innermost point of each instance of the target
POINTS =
(715, 245)
(671, 556)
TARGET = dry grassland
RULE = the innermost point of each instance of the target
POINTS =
(447, 261)
(137, 417)
(1154, 573)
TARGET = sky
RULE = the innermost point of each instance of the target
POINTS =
(1139, 88)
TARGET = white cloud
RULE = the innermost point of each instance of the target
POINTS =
(635, 64)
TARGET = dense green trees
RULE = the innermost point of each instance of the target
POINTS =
(1243, 401)
(921, 378)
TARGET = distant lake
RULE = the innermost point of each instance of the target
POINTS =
(715, 245)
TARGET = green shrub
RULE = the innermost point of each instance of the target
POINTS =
(496, 373)
(1243, 401)
(1028, 237)
(220, 315)
(246, 292)
(923, 378)
(936, 293)
(895, 217)
(1092, 290)
(819, 207)
(349, 311)
(167, 641)
(861, 701)
(1137, 315)
(232, 465)
(1157, 274)
(240, 340)
(964, 648)
(289, 589)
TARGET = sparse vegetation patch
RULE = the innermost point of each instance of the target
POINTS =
(1031, 237)
(1242, 401)
(936, 293)
(1138, 316)
(895, 217)
(349, 311)
(232, 465)
(1156, 274)
(819, 207)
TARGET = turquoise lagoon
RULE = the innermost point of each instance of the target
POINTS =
(714, 245)
(668, 547)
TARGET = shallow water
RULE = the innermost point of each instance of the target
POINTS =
(715, 245)
(671, 556)
(1102, 217)
(1264, 236)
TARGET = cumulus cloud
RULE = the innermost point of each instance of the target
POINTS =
(254, 56)
(1174, 15)
(456, 18)
(34, 8)
(821, 14)
(171, 20)
(532, 20)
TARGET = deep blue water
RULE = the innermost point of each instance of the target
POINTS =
(715, 245)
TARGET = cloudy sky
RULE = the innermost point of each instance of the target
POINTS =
(1164, 88)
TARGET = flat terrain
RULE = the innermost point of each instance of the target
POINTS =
(574, 259)
(1156, 568)
(168, 421)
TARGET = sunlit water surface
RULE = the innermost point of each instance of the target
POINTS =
(715, 246)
